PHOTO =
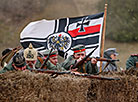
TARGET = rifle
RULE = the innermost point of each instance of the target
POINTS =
(47, 58)
(84, 59)
(97, 77)
(56, 73)
(103, 59)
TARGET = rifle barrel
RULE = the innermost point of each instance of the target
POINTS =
(103, 59)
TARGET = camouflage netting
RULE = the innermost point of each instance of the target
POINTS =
(31, 87)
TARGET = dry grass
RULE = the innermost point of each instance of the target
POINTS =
(31, 87)
(18, 86)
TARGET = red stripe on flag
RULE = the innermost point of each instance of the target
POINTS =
(88, 30)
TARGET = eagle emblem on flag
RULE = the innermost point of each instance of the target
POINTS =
(60, 41)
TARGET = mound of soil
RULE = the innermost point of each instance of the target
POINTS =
(19, 86)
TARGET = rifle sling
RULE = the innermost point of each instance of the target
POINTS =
(47, 58)
(41, 61)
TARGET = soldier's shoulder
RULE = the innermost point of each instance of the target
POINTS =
(133, 57)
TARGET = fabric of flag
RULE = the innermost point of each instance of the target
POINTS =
(65, 33)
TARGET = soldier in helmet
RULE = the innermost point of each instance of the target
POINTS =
(89, 67)
(110, 53)
(5, 53)
(53, 58)
(35, 61)
(18, 63)
(30, 55)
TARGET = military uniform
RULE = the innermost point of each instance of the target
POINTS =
(131, 61)
(18, 63)
(10, 67)
(87, 67)
(49, 65)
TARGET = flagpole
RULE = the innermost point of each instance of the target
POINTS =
(103, 35)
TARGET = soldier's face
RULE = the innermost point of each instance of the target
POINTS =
(54, 60)
(80, 55)
(113, 56)
(31, 63)
(19, 68)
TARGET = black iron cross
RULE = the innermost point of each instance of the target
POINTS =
(82, 25)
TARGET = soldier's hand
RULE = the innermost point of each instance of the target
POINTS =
(93, 61)
(73, 70)
(79, 59)
(76, 72)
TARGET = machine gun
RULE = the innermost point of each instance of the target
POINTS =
(56, 73)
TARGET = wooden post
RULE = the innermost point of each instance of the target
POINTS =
(103, 36)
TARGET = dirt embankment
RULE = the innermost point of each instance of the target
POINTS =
(31, 87)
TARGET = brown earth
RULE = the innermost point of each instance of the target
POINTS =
(31, 87)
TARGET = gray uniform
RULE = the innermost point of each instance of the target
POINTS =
(112, 65)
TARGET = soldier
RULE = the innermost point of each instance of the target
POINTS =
(53, 59)
(132, 61)
(110, 54)
(89, 67)
(35, 61)
(18, 63)
(6, 51)
(7, 55)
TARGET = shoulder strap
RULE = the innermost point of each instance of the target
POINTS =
(41, 61)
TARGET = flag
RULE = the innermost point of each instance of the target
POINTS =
(64, 33)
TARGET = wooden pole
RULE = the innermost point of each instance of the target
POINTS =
(103, 35)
